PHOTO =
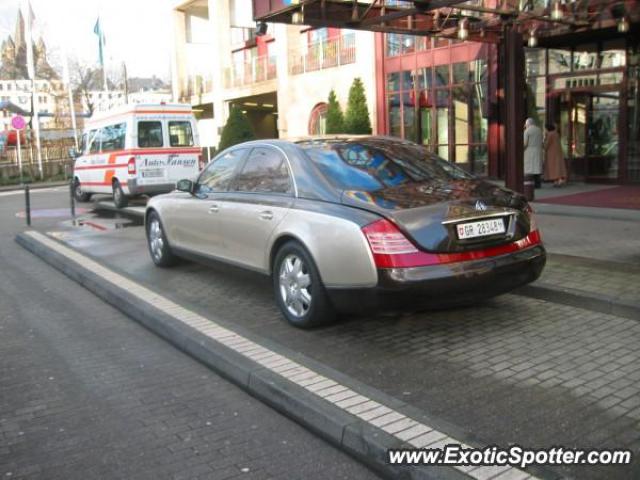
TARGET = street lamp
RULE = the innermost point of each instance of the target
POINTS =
(623, 25)
(463, 29)
(532, 41)
(556, 13)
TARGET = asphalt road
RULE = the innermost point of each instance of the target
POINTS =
(510, 370)
(88, 393)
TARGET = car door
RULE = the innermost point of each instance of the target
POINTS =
(192, 220)
(258, 199)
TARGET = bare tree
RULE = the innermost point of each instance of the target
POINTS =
(84, 79)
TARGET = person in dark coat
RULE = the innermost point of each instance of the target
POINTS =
(555, 169)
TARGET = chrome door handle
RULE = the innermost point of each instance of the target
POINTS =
(266, 215)
(214, 209)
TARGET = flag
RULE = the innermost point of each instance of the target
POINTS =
(97, 29)
(30, 17)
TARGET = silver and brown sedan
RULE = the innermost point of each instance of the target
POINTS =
(350, 225)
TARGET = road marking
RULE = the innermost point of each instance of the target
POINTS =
(387, 419)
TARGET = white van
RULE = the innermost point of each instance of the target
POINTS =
(135, 150)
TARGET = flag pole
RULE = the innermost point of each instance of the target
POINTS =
(72, 109)
(32, 76)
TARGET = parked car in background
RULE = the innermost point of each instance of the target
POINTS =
(135, 150)
(350, 225)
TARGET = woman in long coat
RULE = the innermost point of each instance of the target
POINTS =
(533, 150)
(555, 169)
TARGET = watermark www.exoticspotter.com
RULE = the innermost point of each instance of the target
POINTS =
(513, 456)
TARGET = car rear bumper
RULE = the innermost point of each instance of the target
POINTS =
(441, 286)
(136, 189)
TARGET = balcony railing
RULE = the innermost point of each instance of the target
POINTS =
(195, 85)
(259, 69)
(321, 55)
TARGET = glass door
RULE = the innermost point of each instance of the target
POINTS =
(588, 127)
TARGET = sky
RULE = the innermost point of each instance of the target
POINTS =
(137, 32)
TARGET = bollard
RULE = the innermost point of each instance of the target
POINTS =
(27, 200)
(72, 200)
(529, 187)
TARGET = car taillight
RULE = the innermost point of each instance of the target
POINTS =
(200, 162)
(131, 166)
(390, 248)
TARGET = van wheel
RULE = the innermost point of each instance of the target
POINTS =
(119, 198)
(299, 291)
(79, 195)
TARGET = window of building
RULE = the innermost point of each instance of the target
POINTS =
(318, 120)
(150, 134)
(113, 137)
(180, 134)
(402, 44)
(218, 175)
(265, 171)
(444, 107)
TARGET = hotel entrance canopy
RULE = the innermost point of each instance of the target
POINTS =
(509, 24)
(482, 20)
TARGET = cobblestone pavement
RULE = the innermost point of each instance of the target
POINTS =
(510, 370)
(87, 393)
(615, 280)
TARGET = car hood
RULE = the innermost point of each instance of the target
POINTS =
(427, 212)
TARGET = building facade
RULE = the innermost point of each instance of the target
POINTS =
(446, 94)
(281, 79)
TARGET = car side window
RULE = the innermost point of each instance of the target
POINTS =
(94, 141)
(218, 175)
(84, 142)
(113, 137)
(150, 134)
(265, 171)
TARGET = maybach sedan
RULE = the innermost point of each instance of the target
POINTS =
(350, 225)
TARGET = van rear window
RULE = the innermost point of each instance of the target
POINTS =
(180, 134)
(150, 134)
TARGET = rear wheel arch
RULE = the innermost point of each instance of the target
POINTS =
(282, 240)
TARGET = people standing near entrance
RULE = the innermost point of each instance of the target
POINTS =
(533, 151)
(555, 169)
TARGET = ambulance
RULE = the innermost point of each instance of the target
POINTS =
(141, 149)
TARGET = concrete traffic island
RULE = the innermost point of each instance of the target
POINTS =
(360, 420)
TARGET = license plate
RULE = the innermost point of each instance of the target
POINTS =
(152, 173)
(480, 229)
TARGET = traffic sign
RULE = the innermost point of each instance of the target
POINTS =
(18, 122)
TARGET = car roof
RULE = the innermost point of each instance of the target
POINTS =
(316, 140)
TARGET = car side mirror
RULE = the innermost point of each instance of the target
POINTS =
(73, 152)
(185, 185)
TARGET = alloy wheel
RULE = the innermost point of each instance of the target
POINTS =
(156, 241)
(295, 285)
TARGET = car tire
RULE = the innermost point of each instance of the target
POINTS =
(159, 248)
(299, 291)
(78, 194)
(119, 198)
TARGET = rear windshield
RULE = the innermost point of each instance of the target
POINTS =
(370, 167)
(180, 134)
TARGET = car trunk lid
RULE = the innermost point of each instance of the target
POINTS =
(432, 214)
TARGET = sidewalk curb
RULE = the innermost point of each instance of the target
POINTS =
(33, 186)
(581, 299)
(131, 211)
(601, 213)
(352, 435)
